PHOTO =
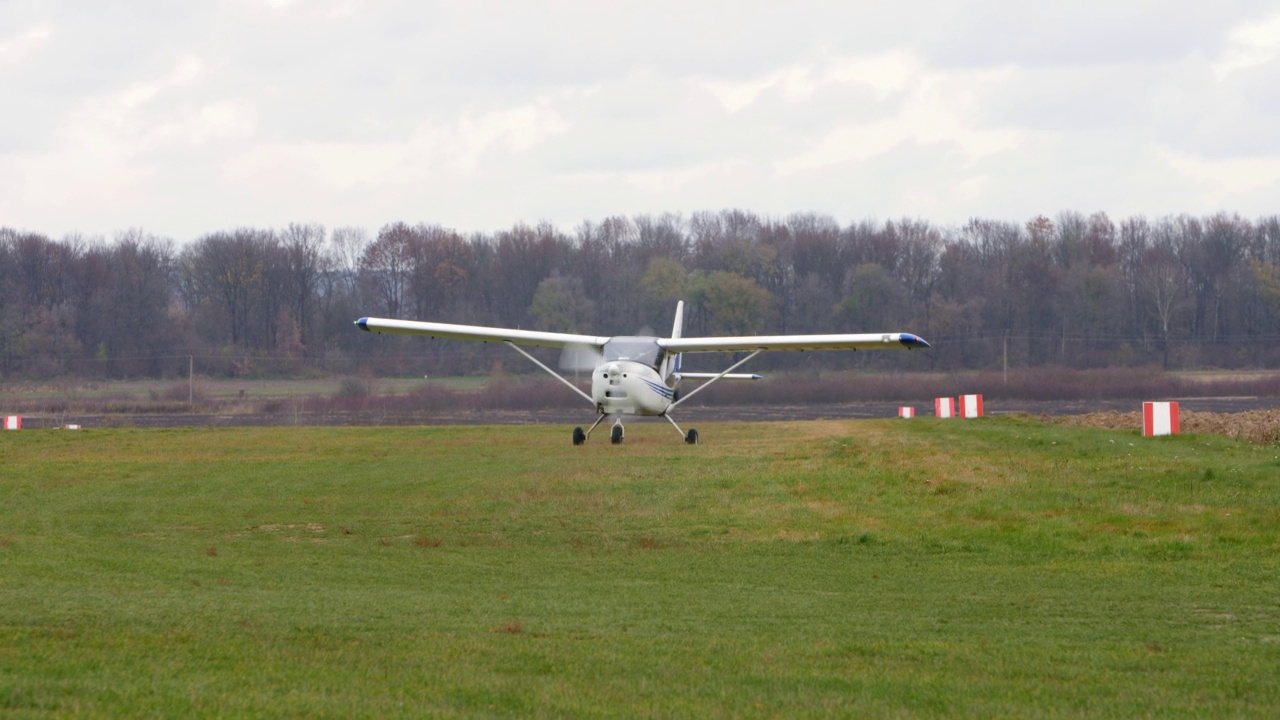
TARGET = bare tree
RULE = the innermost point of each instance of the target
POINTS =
(228, 274)
(385, 268)
(1164, 280)
(305, 264)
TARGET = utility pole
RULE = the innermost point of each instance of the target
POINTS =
(191, 381)
(1006, 358)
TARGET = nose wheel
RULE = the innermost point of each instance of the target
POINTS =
(616, 433)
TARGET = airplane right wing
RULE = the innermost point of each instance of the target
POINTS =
(866, 341)
(480, 332)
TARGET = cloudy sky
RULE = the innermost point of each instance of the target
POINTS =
(184, 118)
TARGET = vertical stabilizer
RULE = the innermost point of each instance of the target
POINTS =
(672, 363)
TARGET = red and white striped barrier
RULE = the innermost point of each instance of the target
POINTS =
(906, 412)
(12, 422)
(971, 406)
(944, 407)
(1159, 418)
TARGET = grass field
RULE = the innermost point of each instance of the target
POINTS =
(996, 567)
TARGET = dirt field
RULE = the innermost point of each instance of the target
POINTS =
(1258, 426)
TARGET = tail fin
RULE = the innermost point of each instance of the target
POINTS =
(672, 363)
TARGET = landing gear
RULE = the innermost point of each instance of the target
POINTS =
(617, 433)
(580, 437)
(690, 437)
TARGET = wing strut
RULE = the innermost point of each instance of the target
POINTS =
(557, 375)
(706, 384)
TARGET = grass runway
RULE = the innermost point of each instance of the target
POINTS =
(867, 568)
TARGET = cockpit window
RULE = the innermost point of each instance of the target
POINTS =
(636, 349)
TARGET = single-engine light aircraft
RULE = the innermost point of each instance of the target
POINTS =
(640, 375)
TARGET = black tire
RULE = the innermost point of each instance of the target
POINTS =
(615, 435)
(691, 437)
(579, 437)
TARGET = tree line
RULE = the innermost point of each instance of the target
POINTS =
(1073, 290)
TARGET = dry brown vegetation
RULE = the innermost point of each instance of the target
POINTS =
(1258, 426)
(349, 395)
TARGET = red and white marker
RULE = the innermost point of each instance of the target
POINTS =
(906, 412)
(944, 407)
(971, 406)
(1159, 418)
(12, 422)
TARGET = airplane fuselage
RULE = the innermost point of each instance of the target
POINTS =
(624, 387)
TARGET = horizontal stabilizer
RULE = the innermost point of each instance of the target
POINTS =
(730, 376)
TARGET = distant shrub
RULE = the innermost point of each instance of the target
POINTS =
(352, 387)
(196, 392)
(1044, 384)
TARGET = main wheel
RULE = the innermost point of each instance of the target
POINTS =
(691, 437)
(579, 437)
(615, 435)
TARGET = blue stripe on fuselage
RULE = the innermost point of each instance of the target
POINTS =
(661, 389)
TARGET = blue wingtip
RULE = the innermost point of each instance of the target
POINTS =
(912, 341)
(363, 324)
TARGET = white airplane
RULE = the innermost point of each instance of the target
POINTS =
(640, 375)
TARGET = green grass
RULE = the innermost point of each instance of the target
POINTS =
(866, 568)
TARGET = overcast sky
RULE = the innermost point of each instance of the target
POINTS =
(185, 118)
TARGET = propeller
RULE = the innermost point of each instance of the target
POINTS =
(580, 358)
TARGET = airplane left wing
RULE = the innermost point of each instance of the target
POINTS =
(479, 332)
(866, 341)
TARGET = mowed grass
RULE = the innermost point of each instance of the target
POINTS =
(993, 567)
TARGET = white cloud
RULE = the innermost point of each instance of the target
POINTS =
(15, 49)
(189, 117)
(883, 74)
(670, 181)
(736, 95)
(185, 72)
(135, 119)
(325, 9)
(431, 152)
(925, 106)
(108, 148)
(1248, 46)
(1224, 180)
(515, 129)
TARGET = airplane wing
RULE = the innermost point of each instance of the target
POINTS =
(867, 341)
(479, 332)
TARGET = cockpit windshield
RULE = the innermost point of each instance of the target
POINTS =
(636, 349)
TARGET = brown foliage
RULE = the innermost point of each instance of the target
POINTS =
(1257, 426)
